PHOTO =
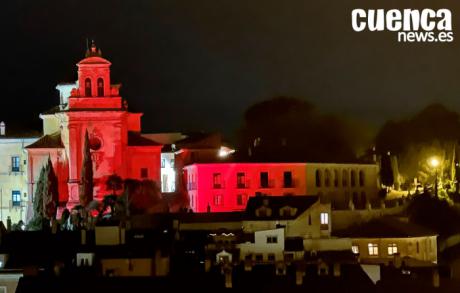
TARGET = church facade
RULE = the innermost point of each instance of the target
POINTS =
(92, 105)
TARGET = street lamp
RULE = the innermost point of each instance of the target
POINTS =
(434, 162)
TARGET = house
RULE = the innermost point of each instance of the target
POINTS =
(224, 187)
(391, 240)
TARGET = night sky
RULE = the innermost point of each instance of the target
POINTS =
(197, 65)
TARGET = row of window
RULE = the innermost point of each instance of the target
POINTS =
(373, 249)
(100, 87)
(241, 200)
(241, 181)
(329, 178)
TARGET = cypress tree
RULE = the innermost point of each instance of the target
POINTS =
(36, 223)
(50, 192)
(86, 186)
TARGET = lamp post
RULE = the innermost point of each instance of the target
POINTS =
(434, 162)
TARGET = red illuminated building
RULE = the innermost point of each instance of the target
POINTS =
(92, 104)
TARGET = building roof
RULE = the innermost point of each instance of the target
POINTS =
(136, 139)
(385, 227)
(48, 141)
(276, 203)
(200, 141)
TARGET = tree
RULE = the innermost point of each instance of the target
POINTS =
(86, 186)
(291, 129)
(36, 223)
(114, 183)
(50, 192)
(386, 170)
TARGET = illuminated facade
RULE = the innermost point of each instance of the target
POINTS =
(223, 187)
(92, 104)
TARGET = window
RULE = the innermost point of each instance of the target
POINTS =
(309, 220)
(392, 248)
(336, 178)
(259, 257)
(241, 199)
(318, 178)
(248, 257)
(289, 257)
(272, 239)
(324, 219)
(240, 180)
(353, 178)
(344, 178)
(373, 249)
(355, 249)
(287, 179)
(100, 87)
(15, 164)
(327, 178)
(218, 200)
(16, 198)
(163, 163)
(271, 257)
(418, 247)
(216, 180)
(264, 179)
(144, 173)
(88, 87)
(361, 178)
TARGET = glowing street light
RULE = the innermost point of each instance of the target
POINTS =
(434, 162)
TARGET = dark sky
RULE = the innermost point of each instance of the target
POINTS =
(197, 65)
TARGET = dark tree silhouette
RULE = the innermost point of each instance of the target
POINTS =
(114, 183)
(37, 221)
(50, 192)
(386, 170)
(86, 186)
(290, 129)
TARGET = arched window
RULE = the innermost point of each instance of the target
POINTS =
(327, 178)
(336, 178)
(100, 87)
(344, 178)
(353, 178)
(355, 199)
(361, 178)
(318, 178)
(88, 87)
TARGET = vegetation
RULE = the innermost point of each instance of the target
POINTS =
(86, 187)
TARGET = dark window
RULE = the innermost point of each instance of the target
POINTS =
(241, 199)
(100, 87)
(88, 87)
(327, 178)
(344, 178)
(289, 257)
(216, 180)
(353, 178)
(287, 177)
(15, 164)
(336, 178)
(271, 257)
(318, 178)
(272, 239)
(259, 257)
(144, 173)
(248, 257)
(16, 198)
(309, 220)
(361, 178)
(240, 180)
(264, 179)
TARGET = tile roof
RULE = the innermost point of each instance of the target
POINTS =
(385, 227)
(48, 141)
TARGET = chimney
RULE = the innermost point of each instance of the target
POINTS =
(2, 128)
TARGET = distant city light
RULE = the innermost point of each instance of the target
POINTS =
(225, 151)
(434, 162)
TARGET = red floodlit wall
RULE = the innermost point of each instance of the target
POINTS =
(224, 188)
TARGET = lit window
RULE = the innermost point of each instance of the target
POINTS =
(324, 219)
(355, 249)
(373, 249)
(272, 239)
(16, 198)
(392, 248)
(144, 173)
(218, 200)
(15, 164)
(216, 179)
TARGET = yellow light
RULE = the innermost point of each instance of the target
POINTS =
(434, 162)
